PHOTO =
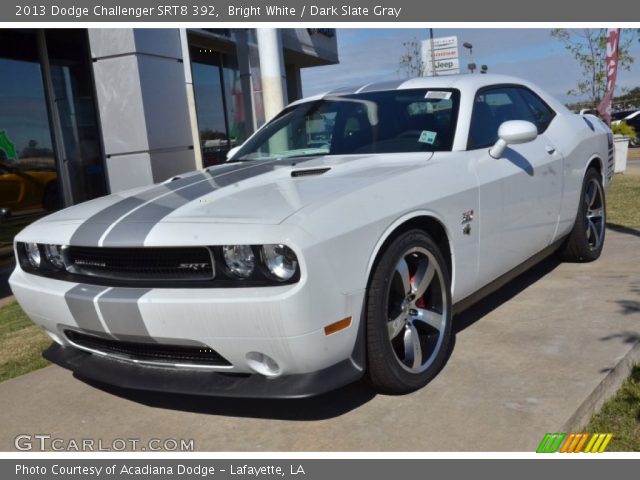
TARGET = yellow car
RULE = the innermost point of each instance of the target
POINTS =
(24, 190)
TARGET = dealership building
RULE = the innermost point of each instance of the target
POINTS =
(112, 109)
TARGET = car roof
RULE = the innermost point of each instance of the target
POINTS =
(461, 82)
(620, 114)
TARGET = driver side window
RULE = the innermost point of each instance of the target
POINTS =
(491, 108)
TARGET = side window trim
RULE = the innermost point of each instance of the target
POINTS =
(516, 86)
(545, 104)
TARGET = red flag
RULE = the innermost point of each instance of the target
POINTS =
(613, 41)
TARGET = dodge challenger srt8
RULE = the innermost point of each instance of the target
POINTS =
(335, 243)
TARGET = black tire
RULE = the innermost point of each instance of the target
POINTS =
(581, 244)
(387, 372)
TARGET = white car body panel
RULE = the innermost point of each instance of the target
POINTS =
(336, 223)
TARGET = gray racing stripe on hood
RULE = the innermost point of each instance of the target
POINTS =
(134, 227)
(121, 313)
(80, 303)
(132, 230)
(91, 230)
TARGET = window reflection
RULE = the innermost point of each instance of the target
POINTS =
(28, 178)
(73, 96)
(219, 104)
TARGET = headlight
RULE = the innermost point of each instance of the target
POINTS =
(33, 254)
(280, 260)
(240, 260)
(53, 253)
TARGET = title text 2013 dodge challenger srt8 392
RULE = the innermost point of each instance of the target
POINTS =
(335, 243)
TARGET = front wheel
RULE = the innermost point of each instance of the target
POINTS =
(586, 240)
(408, 314)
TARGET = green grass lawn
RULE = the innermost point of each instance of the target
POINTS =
(621, 416)
(21, 343)
(623, 201)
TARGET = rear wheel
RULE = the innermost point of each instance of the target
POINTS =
(408, 314)
(585, 241)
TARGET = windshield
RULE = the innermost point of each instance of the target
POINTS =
(396, 121)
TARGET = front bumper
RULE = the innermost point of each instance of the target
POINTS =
(286, 322)
(198, 382)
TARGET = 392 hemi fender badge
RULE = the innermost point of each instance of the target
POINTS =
(467, 217)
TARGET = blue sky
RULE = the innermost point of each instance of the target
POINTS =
(372, 54)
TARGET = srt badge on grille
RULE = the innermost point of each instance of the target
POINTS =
(194, 267)
(89, 263)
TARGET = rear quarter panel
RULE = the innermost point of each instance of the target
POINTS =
(581, 140)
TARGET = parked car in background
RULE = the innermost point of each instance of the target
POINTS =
(337, 242)
(25, 189)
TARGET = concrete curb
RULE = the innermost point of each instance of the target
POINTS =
(606, 389)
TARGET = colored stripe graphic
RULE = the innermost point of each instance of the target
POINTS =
(550, 443)
(574, 443)
(598, 442)
(578, 447)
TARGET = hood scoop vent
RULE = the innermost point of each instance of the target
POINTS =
(309, 172)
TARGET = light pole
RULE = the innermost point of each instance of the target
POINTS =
(433, 57)
(471, 65)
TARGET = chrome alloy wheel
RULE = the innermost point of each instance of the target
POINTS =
(595, 214)
(416, 310)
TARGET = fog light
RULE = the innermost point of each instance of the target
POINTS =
(33, 254)
(263, 364)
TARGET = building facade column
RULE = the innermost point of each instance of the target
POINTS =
(272, 71)
(143, 105)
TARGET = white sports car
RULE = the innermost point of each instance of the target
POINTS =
(336, 242)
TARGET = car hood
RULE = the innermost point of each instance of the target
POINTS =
(265, 192)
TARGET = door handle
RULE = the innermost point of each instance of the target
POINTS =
(550, 150)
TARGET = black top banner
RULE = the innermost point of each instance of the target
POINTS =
(316, 11)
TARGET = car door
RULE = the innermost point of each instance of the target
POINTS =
(520, 193)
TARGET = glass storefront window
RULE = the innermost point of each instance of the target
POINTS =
(212, 126)
(219, 104)
(28, 176)
(26, 149)
(49, 136)
(73, 96)
(234, 101)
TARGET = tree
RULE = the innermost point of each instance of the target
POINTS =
(411, 64)
(630, 98)
(589, 47)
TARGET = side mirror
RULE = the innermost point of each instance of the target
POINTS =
(513, 132)
(233, 151)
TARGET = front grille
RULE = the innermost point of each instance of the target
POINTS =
(150, 352)
(148, 263)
